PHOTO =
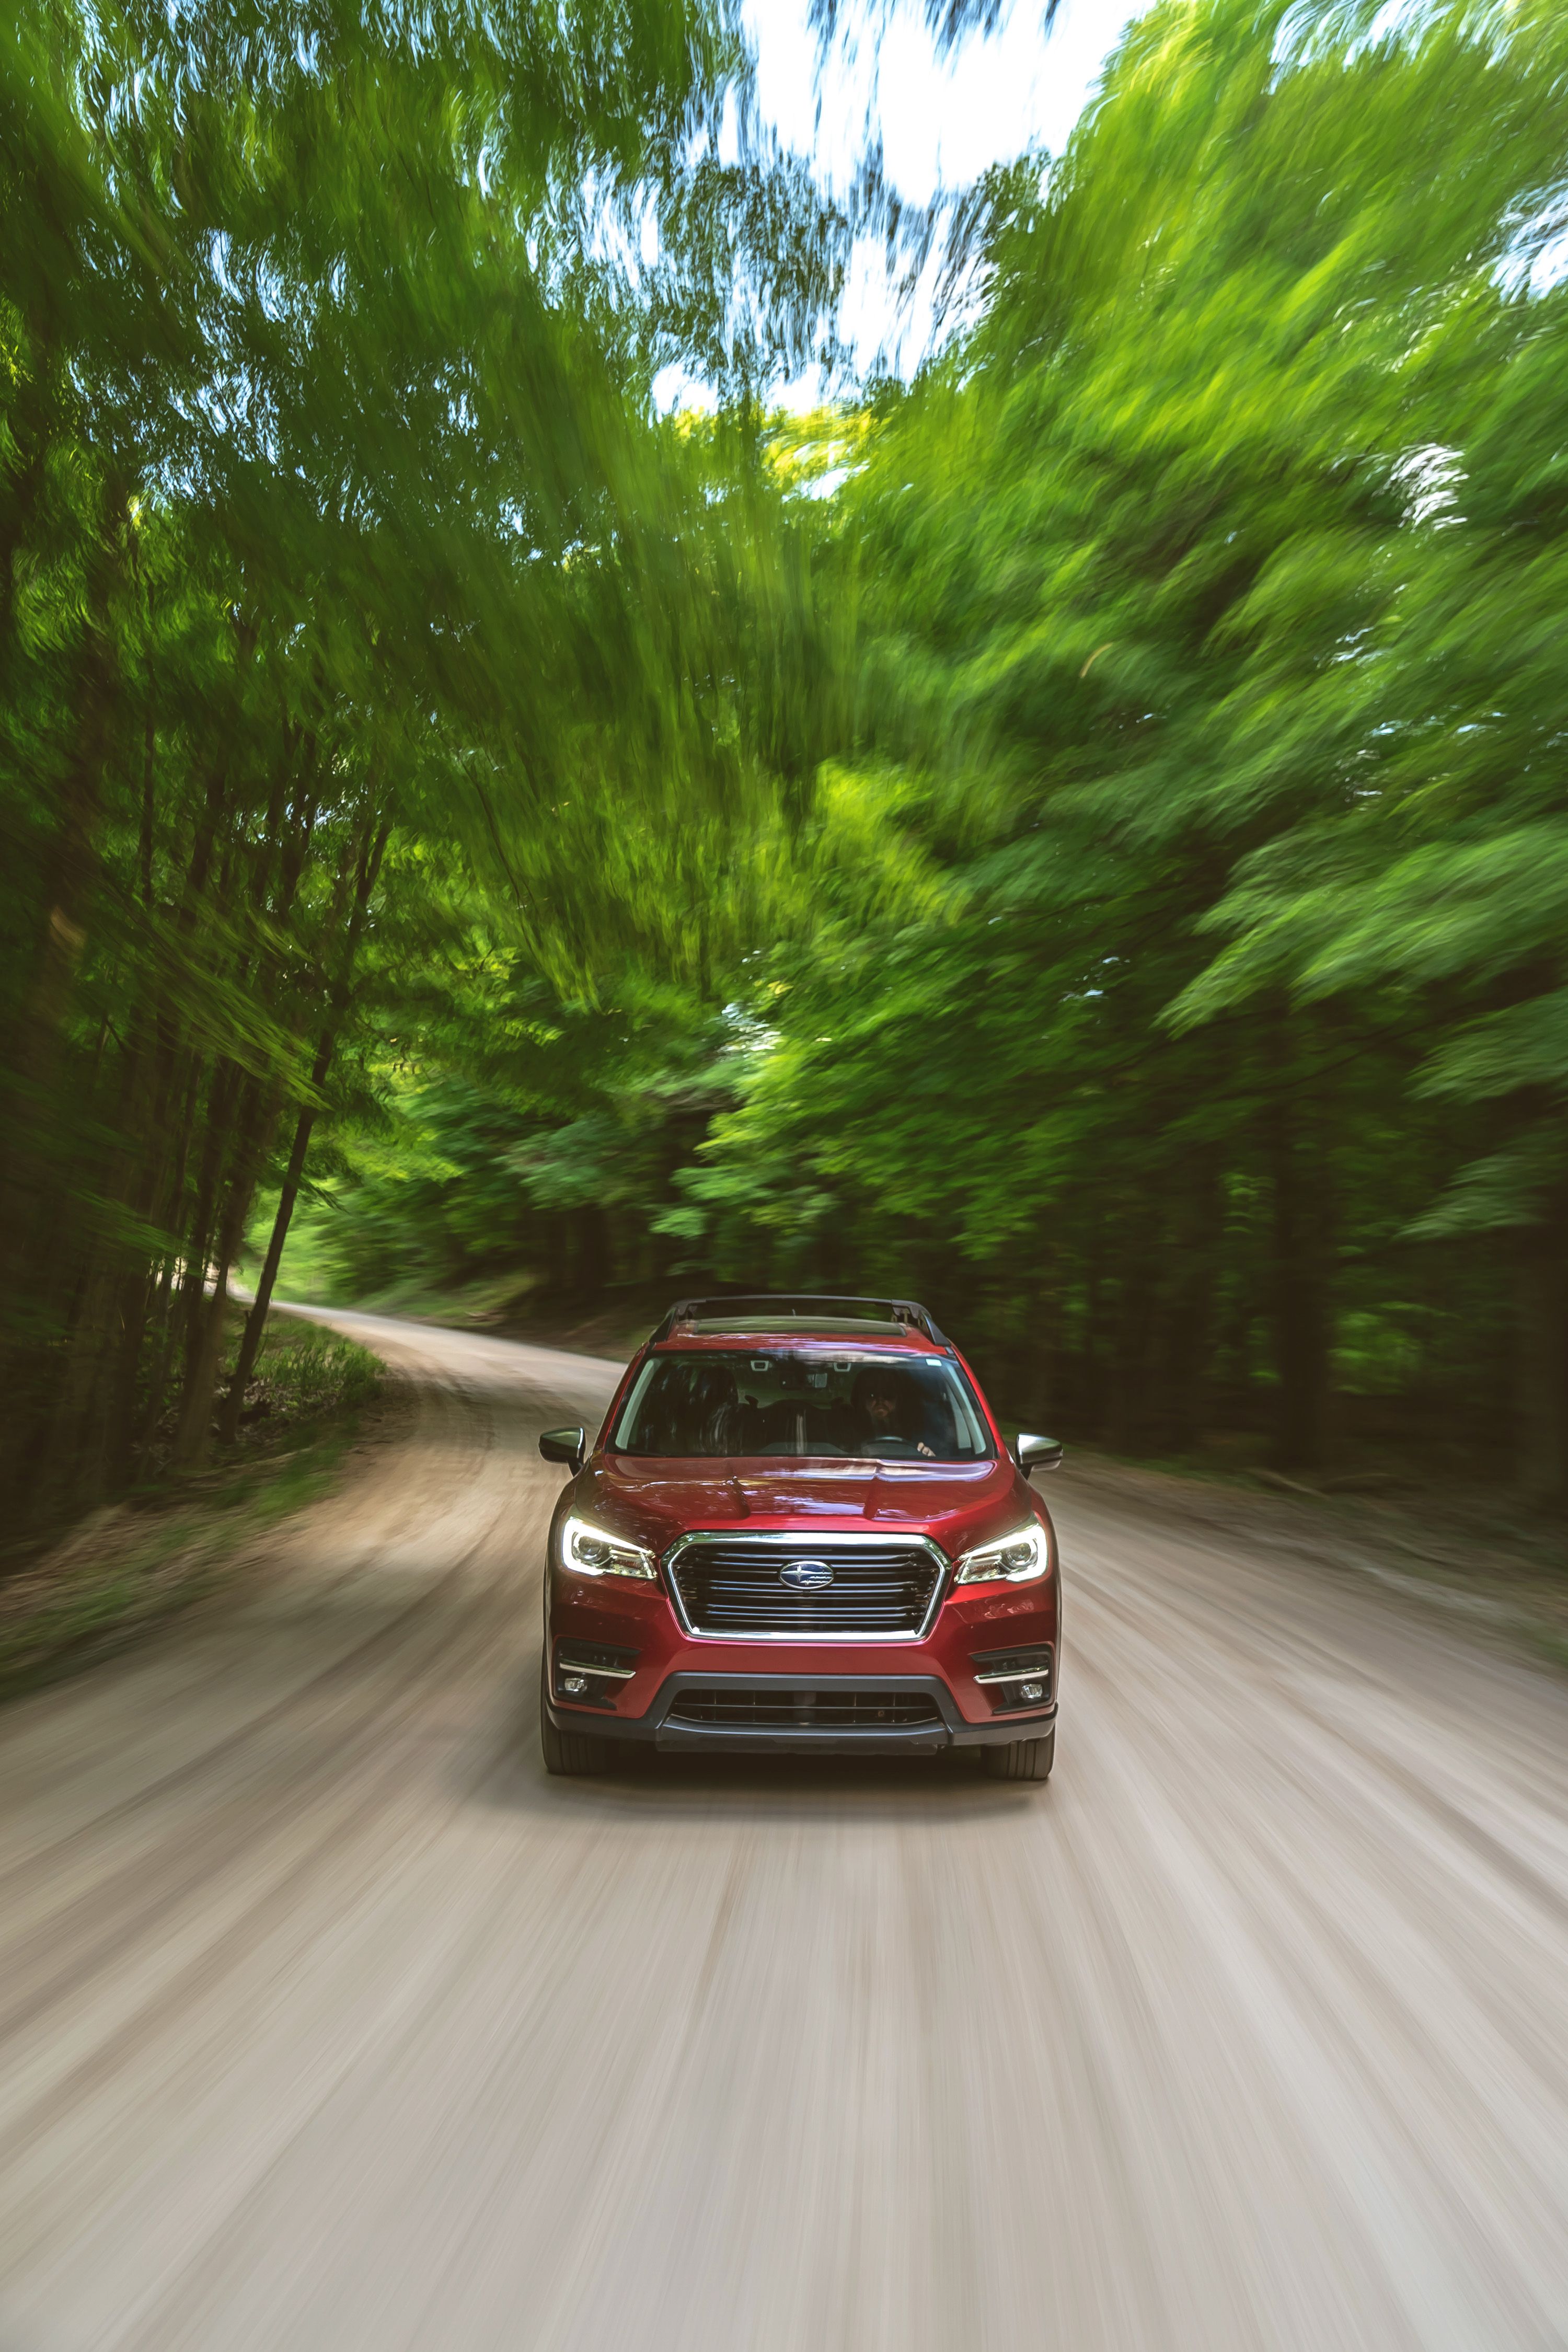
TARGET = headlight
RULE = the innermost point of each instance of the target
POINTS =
(1016, 1559)
(591, 1552)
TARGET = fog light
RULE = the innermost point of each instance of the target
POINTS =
(574, 1685)
(1028, 1691)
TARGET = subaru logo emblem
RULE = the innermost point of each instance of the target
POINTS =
(805, 1575)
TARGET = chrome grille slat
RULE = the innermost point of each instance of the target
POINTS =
(729, 1586)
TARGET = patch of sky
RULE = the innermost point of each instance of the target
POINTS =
(1535, 257)
(1429, 478)
(937, 122)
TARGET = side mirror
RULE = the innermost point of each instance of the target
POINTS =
(564, 1445)
(1037, 1454)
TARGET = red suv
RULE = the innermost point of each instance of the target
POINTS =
(800, 1529)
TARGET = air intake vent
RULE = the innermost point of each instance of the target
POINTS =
(736, 1708)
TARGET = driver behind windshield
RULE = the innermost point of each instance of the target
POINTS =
(880, 1403)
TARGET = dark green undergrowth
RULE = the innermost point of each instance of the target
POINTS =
(302, 1374)
(313, 1397)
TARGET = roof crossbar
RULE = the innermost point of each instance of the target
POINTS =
(803, 1305)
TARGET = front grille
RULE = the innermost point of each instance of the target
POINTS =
(738, 1709)
(733, 1587)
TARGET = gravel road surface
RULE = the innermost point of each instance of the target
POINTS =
(328, 2024)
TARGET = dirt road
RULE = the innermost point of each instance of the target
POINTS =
(327, 2024)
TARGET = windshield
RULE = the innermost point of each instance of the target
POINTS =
(794, 1401)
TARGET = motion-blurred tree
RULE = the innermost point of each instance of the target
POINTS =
(335, 520)
(1211, 584)
(1080, 836)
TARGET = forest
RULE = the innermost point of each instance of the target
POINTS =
(1079, 837)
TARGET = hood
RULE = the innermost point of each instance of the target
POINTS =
(657, 1500)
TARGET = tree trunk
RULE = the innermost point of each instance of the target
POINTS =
(1184, 1344)
(1039, 1342)
(200, 1376)
(32, 1295)
(207, 1353)
(1541, 1358)
(1302, 1281)
(1090, 1379)
(1140, 1260)
(135, 1297)
(255, 1321)
(67, 891)
(200, 1235)
(372, 851)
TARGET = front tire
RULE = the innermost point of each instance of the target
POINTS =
(567, 1754)
(1021, 1760)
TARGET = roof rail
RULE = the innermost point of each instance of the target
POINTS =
(805, 1305)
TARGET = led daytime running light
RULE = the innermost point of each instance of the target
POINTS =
(588, 1550)
(1016, 1559)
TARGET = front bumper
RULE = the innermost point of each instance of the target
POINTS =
(656, 1728)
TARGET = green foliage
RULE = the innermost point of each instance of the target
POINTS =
(303, 1371)
(128, 1566)
(344, 574)
(1208, 598)
(512, 1141)
(1080, 837)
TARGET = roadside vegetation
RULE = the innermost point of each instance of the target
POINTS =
(1196, 1050)
(353, 604)
(313, 1397)
(1080, 837)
